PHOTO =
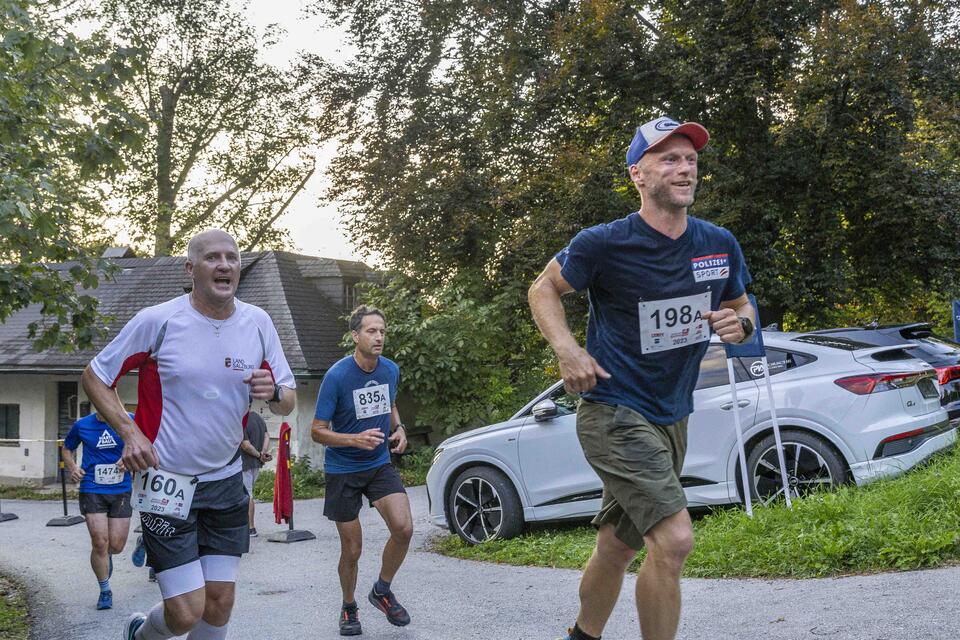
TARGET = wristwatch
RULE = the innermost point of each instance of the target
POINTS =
(746, 324)
(277, 393)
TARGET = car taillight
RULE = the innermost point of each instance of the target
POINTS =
(875, 383)
(946, 374)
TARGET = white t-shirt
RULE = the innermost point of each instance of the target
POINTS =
(192, 400)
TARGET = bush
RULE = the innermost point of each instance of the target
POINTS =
(307, 483)
(413, 466)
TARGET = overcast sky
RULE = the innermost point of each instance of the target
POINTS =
(315, 229)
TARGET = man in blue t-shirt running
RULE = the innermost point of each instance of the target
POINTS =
(657, 282)
(104, 494)
(356, 417)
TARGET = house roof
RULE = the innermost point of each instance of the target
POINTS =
(283, 284)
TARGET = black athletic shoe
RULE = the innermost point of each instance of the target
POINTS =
(396, 614)
(350, 622)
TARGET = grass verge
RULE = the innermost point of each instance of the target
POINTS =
(13, 611)
(910, 522)
(32, 493)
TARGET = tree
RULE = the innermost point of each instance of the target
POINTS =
(61, 131)
(230, 138)
(454, 360)
(478, 136)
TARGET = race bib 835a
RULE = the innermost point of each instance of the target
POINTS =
(371, 401)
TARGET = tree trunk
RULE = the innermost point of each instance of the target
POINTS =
(166, 198)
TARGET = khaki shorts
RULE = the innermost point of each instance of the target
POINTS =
(639, 464)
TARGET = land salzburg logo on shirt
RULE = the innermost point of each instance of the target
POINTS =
(237, 364)
(106, 441)
(715, 266)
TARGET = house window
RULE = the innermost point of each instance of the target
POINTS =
(9, 424)
(349, 296)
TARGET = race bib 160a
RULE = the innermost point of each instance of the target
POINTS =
(163, 492)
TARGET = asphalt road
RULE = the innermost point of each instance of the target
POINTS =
(291, 592)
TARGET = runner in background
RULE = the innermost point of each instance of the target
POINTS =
(357, 421)
(255, 454)
(104, 495)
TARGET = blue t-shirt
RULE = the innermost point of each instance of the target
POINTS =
(101, 446)
(353, 400)
(626, 262)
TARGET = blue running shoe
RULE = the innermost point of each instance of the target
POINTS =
(105, 601)
(139, 553)
(110, 570)
(134, 622)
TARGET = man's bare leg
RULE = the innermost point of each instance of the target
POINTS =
(669, 543)
(351, 545)
(602, 580)
(395, 511)
(99, 544)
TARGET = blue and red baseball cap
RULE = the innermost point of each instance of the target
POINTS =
(652, 133)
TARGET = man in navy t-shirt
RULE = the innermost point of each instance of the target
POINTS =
(104, 494)
(356, 418)
(658, 281)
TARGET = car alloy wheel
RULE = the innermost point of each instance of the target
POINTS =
(812, 465)
(483, 505)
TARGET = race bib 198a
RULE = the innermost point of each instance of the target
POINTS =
(162, 492)
(107, 474)
(371, 401)
(674, 323)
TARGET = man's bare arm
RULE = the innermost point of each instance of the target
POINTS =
(577, 367)
(138, 451)
(368, 440)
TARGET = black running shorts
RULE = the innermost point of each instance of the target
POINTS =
(115, 505)
(217, 525)
(345, 491)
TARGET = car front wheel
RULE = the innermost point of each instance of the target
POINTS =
(812, 465)
(483, 505)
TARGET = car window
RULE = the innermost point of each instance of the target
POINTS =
(778, 360)
(566, 402)
(713, 369)
(835, 342)
(935, 345)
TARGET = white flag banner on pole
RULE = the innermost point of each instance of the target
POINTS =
(753, 348)
(744, 476)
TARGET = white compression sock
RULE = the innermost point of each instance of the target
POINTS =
(206, 631)
(155, 627)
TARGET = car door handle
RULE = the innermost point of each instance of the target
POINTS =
(726, 406)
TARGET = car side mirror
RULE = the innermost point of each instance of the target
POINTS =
(545, 410)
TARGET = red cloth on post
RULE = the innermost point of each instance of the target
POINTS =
(282, 486)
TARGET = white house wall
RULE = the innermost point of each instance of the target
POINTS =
(32, 463)
(35, 463)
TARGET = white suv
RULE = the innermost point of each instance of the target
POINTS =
(847, 411)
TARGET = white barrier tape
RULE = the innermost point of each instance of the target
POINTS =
(58, 440)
